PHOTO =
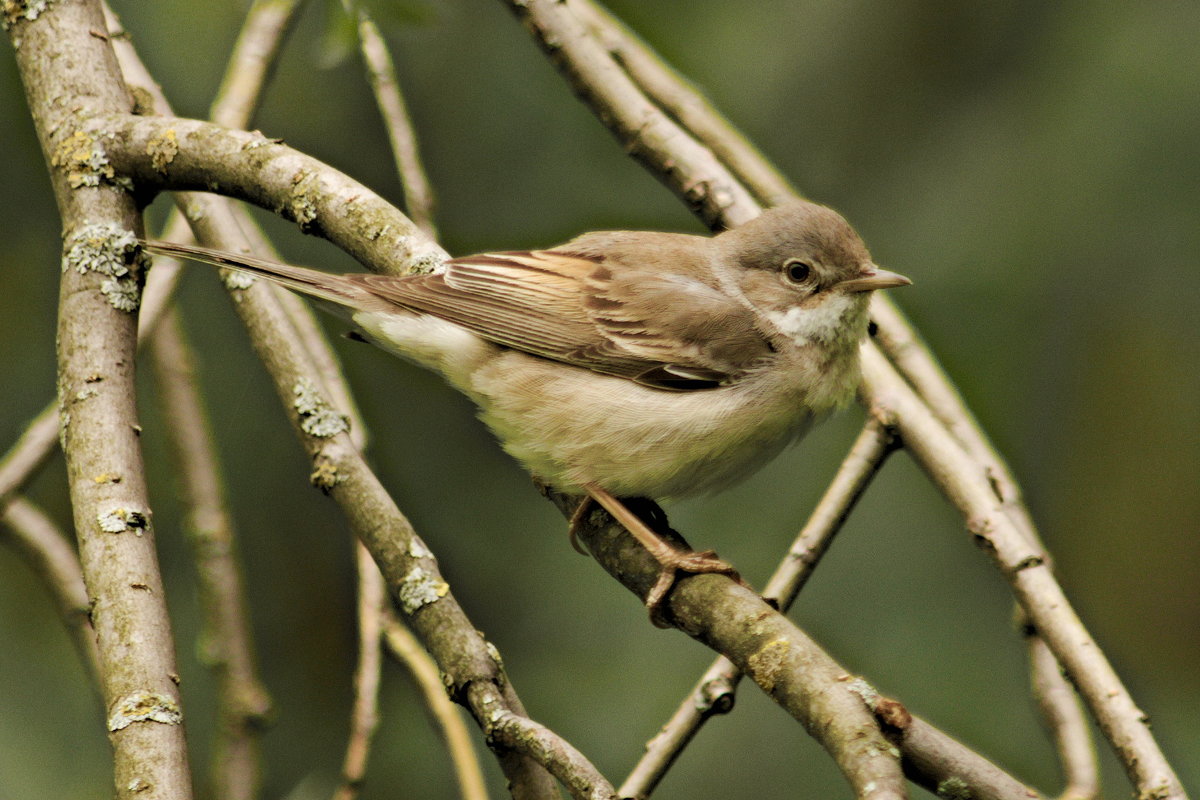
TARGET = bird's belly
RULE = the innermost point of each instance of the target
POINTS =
(572, 427)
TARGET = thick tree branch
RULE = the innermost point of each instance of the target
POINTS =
(249, 166)
(792, 669)
(70, 74)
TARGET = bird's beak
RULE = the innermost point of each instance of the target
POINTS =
(874, 277)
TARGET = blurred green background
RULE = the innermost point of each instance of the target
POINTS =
(1035, 167)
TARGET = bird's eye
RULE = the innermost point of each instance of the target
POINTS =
(797, 271)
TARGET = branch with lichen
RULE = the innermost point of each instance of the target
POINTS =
(69, 76)
(789, 666)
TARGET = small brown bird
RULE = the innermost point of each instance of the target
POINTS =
(632, 364)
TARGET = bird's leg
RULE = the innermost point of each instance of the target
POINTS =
(671, 558)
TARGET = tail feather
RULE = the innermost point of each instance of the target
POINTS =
(321, 285)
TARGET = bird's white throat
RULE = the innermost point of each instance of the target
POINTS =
(826, 323)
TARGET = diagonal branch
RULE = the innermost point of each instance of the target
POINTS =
(1024, 565)
(418, 194)
(686, 167)
(410, 571)
(715, 691)
(405, 648)
(244, 706)
(683, 102)
(50, 554)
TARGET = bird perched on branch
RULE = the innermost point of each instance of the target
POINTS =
(630, 363)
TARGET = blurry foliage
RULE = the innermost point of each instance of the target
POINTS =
(1035, 167)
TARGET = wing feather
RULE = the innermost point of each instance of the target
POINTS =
(662, 329)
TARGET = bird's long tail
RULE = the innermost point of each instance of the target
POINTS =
(321, 285)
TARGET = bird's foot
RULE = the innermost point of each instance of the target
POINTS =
(671, 559)
(687, 561)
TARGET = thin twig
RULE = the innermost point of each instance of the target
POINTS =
(942, 764)
(714, 693)
(405, 648)
(679, 98)
(253, 58)
(418, 194)
(1024, 566)
(523, 735)
(30, 452)
(70, 76)
(51, 556)
(1064, 716)
(858, 468)
(685, 166)
(418, 197)
(226, 641)
(364, 717)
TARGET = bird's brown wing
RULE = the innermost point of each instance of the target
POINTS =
(657, 328)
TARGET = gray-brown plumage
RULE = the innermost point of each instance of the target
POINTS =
(631, 363)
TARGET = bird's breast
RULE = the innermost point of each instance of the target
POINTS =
(570, 426)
